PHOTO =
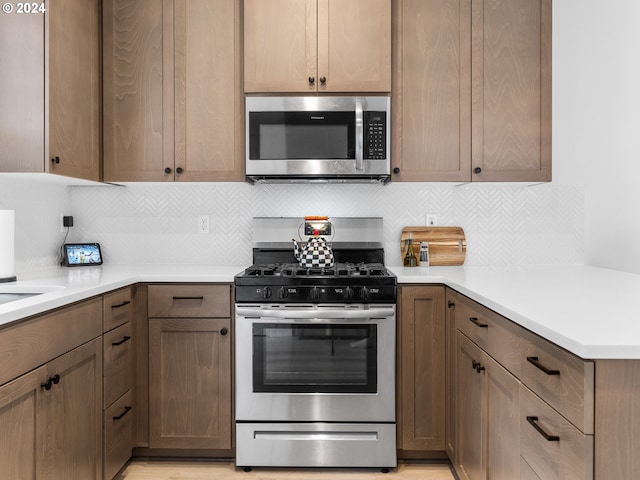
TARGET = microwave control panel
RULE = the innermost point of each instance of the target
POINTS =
(375, 135)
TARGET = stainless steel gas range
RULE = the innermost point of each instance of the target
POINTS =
(315, 351)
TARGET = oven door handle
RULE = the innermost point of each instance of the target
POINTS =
(343, 314)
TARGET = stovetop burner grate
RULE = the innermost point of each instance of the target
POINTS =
(338, 270)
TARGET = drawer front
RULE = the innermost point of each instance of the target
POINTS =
(566, 453)
(117, 308)
(118, 435)
(561, 379)
(496, 335)
(189, 301)
(118, 354)
(29, 344)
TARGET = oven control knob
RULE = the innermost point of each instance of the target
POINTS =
(348, 292)
(282, 292)
(364, 293)
(266, 292)
(314, 293)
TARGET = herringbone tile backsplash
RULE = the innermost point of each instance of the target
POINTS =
(504, 224)
(157, 223)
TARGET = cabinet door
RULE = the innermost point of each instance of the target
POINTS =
(488, 416)
(471, 411)
(431, 98)
(208, 97)
(451, 372)
(21, 96)
(511, 93)
(422, 365)
(138, 90)
(70, 438)
(18, 423)
(280, 46)
(74, 88)
(189, 383)
(354, 46)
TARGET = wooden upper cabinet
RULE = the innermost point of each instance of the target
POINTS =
(511, 94)
(431, 99)
(74, 88)
(172, 94)
(472, 90)
(50, 72)
(308, 46)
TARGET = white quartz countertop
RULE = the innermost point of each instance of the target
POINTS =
(592, 312)
(589, 311)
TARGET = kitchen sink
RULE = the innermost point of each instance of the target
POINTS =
(13, 293)
(12, 297)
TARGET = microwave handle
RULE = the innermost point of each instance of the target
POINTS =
(359, 135)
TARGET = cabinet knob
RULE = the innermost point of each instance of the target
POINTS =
(323, 80)
(179, 170)
(167, 170)
(223, 331)
(450, 304)
(312, 80)
(477, 170)
(396, 170)
(55, 160)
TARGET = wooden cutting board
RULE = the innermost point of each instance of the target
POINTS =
(447, 245)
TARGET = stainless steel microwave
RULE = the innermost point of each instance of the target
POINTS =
(342, 139)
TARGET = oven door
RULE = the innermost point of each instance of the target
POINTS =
(311, 363)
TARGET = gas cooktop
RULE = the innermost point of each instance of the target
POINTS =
(343, 282)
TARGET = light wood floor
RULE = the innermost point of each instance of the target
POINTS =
(185, 470)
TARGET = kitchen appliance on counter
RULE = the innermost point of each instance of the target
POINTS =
(315, 351)
(342, 139)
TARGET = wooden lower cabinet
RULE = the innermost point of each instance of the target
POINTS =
(421, 371)
(190, 383)
(488, 416)
(51, 419)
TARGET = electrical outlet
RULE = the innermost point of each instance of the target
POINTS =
(432, 220)
(203, 223)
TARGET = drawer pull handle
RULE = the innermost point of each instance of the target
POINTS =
(477, 323)
(189, 298)
(126, 410)
(534, 361)
(126, 338)
(549, 438)
(123, 304)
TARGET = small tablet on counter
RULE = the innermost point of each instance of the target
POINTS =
(82, 254)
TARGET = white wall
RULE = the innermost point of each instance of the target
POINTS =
(606, 41)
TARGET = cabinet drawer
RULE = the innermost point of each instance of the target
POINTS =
(118, 351)
(561, 379)
(496, 335)
(189, 301)
(118, 435)
(29, 344)
(117, 308)
(568, 456)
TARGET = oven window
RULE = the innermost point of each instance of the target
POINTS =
(301, 135)
(314, 358)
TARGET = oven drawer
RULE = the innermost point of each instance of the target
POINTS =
(190, 301)
(316, 445)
